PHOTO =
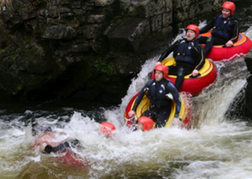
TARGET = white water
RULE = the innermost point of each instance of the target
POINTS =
(216, 146)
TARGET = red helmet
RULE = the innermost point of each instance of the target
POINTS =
(229, 5)
(162, 68)
(194, 28)
(147, 123)
(107, 128)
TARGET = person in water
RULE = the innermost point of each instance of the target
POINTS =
(47, 142)
(144, 123)
(46, 138)
(225, 28)
(62, 146)
(160, 91)
(107, 129)
(188, 54)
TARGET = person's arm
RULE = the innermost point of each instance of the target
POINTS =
(207, 27)
(175, 94)
(168, 51)
(139, 98)
(201, 56)
(235, 32)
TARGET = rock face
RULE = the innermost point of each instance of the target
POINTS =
(89, 49)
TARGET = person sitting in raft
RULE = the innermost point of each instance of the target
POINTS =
(225, 28)
(144, 123)
(158, 91)
(188, 54)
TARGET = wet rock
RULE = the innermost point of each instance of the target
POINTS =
(59, 33)
(60, 48)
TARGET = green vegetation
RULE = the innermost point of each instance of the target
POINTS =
(12, 56)
(27, 40)
(1, 23)
(26, 53)
(99, 68)
(104, 67)
(1, 51)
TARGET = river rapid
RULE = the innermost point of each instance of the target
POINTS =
(217, 145)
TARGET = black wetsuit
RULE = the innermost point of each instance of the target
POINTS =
(63, 146)
(188, 55)
(223, 30)
(160, 107)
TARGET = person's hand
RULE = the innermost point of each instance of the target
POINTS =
(131, 113)
(158, 63)
(195, 72)
(229, 43)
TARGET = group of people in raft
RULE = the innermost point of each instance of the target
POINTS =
(190, 57)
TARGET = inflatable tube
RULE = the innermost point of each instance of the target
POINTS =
(240, 48)
(184, 114)
(66, 156)
(194, 86)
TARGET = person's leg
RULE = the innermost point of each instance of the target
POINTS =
(184, 69)
(180, 78)
(162, 116)
(173, 70)
(179, 72)
(151, 112)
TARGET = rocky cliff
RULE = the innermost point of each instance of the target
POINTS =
(89, 49)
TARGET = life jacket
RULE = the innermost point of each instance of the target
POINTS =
(222, 27)
(157, 92)
(184, 53)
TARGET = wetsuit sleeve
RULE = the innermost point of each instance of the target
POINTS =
(235, 32)
(168, 51)
(141, 94)
(208, 26)
(201, 56)
(172, 89)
